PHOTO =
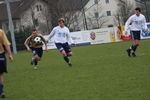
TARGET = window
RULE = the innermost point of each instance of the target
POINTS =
(108, 13)
(96, 1)
(39, 7)
(96, 15)
(107, 1)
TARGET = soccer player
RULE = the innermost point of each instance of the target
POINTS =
(4, 45)
(34, 43)
(62, 39)
(136, 24)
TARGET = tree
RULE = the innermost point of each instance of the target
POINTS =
(97, 19)
(125, 9)
(68, 9)
(145, 5)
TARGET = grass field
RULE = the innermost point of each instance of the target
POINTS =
(99, 72)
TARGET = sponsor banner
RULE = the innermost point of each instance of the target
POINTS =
(146, 35)
(113, 34)
(83, 44)
(121, 36)
(80, 38)
(99, 36)
(125, 37)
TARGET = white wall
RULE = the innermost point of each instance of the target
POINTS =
(42, 17)
(102, 7)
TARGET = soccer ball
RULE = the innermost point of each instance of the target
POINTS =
(37, 40)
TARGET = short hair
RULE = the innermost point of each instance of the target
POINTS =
(138, 9)
(61, 20)
(34, 29)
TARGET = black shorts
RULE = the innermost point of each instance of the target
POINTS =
(63, 46)
(37, 51)
(3, 63)
(136, 35)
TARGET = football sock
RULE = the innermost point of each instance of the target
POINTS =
(66, 58)
(35, 62)
(1, 88)
(134, 47)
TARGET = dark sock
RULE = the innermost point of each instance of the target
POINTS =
(134, 47)
(35, 62)
(66, 58)
(1, 89)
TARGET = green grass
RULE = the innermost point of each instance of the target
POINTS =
(99, 72)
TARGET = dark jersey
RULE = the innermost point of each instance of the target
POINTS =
(32, 43)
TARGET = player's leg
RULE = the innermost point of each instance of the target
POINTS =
(2, 95)
(3, 68)
(37, 58)
(70, 54)
(129, 49)
(1, 86)
(136, 42)
(33, 58)
(134, 47)
(37, 54)
(68, 50)
(61, 48)
(66, 58)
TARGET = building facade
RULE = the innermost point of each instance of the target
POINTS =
(91, 14)
(102, 13)
(29, 13)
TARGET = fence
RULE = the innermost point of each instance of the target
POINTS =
(89, 37)
(99, 36)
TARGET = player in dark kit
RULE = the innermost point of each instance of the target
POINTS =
(136, 24)
(34, 43)
(4, 46)
(62, 39)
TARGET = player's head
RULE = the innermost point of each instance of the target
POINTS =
(34, 31)
(138, 11)
(61, 22)
(119, 27)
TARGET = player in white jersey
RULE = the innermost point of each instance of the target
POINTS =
(136, 24)
(62, 39)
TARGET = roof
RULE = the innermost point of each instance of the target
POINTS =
(26, 3)
(3, 11)
(18, 6)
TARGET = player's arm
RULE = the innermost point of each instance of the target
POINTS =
(128, 22)
(7, 46)
(9, 52)
(145, 25)
(45, 42)
(26, 43)
(69, 38)
(51, 34)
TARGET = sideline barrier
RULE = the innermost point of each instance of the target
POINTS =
(146, 35)
(99, 36)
